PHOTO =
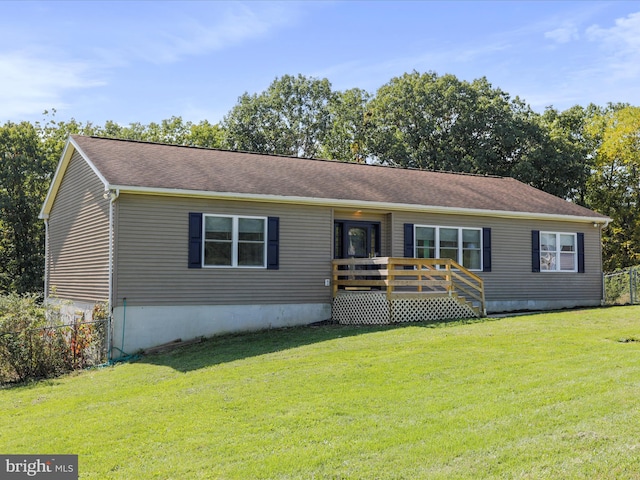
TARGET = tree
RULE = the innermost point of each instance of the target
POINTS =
(24, 176)
(53, 135)
(561, 153)
(291, 117)
(614, 186)
(172, 131)
(347, 138)
(204, 134)
(441, 123)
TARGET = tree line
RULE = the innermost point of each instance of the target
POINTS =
(588, 155)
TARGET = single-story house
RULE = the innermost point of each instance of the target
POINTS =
(185, 242)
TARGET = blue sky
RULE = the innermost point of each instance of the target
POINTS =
(130, 61)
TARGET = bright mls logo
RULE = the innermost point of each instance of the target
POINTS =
(49, 467)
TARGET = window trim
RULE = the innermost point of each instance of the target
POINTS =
(460, 248)
(558, 252)
(235, 220)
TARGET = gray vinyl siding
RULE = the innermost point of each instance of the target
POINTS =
(78, 253)
(511, 278)
(152, 247)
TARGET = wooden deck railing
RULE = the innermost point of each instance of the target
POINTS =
(400, 276)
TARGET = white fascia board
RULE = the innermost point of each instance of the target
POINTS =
(65, 158)
(341, 203)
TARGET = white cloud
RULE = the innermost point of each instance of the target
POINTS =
(600, 64)
(190, 35)
(563, 34)
(32, 82)
(373, 74)
(625, 34)
(621, 43)
(50, 70)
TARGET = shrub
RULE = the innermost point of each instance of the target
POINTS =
(22, 351)
(34, 342)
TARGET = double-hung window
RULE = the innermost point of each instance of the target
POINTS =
(234, 241)
(558, 252)
(463, 245)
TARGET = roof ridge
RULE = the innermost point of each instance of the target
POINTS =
(330, 160)
(164, 144)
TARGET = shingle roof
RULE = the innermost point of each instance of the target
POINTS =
(153, 166)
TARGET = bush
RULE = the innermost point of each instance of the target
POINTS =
(34, 342)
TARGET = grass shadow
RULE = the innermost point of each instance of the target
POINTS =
(232, 347)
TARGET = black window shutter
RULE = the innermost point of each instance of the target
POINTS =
(408, 240)
(273, 243)
(580, 252)
(535, 250)
(486, 249)
(195, 240)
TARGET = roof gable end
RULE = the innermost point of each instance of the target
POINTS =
(67, 154)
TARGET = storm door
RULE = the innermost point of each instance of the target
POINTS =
(356, 239)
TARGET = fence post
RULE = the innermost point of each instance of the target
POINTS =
(631, 282)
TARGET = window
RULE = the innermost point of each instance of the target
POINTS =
(233, 241)
(463, 245)
(471, 249)
(425, 242)
(558, 252)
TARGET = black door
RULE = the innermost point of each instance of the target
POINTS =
(356, 239)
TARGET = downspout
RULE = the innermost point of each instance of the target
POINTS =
(46, 258)
(112, 195)
(124, 324)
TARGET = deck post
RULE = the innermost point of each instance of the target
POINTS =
(390, 277)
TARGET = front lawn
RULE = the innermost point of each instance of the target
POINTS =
(538, 396)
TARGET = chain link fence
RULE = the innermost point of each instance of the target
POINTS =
(622, 287)
(40, 343)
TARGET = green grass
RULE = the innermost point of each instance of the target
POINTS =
(539, 396)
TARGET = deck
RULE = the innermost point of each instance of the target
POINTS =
(384, 290)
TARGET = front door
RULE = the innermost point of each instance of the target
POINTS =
(356, 239)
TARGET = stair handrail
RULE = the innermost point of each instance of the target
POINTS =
(388, 273)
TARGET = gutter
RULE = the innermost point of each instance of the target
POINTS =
(346, 203)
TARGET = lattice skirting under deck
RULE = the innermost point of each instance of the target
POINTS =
(360, 308)
(373, 308)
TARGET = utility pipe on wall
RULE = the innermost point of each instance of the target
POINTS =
(112, 195)
(46, 258)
